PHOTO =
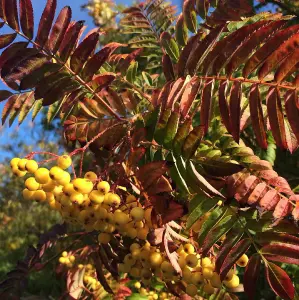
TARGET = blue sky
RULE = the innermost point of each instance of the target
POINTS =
(38, 5)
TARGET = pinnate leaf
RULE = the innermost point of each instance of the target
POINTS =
(11, 14)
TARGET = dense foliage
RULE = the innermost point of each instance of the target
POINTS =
(172, 129)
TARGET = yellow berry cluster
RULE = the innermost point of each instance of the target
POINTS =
(67, 259)
(151, 295)
(95, 206)
(89, 278)
(101, 11)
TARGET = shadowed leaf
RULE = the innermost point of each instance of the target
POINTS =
(11, 14)
(26, 18)
(7, 39)
(251, 275)
(206, 105)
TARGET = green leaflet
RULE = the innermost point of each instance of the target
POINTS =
(170, 46)
(132, 72)
(171, 129)
(217, 232)
(160, 128)
(177, 176)
(213, 219)
(198, 206)
(180, 137)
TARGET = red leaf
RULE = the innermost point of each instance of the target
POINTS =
(278, 55)
(276, 118)
(295, 212)
(245, 188)
(46, 22)
(292, 111)
(26, 18)
(5, 94)
(281, 185)
(270, 200)
(226, 246)
(257, 118)
(240, 36)
(235, 109)
(150, 172)
(103, 80)
(7, 39)
(173, 94)
(282, 208)
(83, 52)
(96, 61)
(206, 105)
(235, 253)
(258, 192)
(281, 253)
(189, 95)
(174, 212)
(167, 67)
(223, 106)
(287, 66)
(279, 281)
(115, 101)
(260, 36)
(11, 51)
(261, 54)
(11, 14)
(251, 275)
(59, 29)
(70, 40)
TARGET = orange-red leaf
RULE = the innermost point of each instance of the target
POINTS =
(46, 22)
(174, 93)
(258, 192)
(258, 37)
(235, 109)
(287, 66)
(270, 200)
(278, 55)
(59, 28)
(26, 18)
(292, 111)
(206, 105)
(281, 253)
(279, 281)
(189, 95)
(251, 275)
(261, 54)
(257, 118)
(276, 118)
(167, 68)
(223, 106)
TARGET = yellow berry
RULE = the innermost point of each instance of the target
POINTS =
(155, 259)
(56, 173)
(64, 254)
(242, 261)
(142, 233)
(103, 187)
(72, 258)
(64, 162)
(137, 213)
(207, 273)
(215, 281)
(197, 278)
(137, 285)
(233, 283)
(135, 272)
(14, 162)
(101, 213)
(83, 185)
(129, 260)
(49, 186)
(31, 166)
(22, 164)
(65, 179)
(77, 198)
(189, 248)
(229, 275)
(187, 275)
(191, 260)
(134, 246)
(104, 238)
(207, 288)
(31, 184)
(166, 267)
(96, 197)
(206, 262)
(18, 172)
(91, 176)
(191, 290)
(130, 199)
(27, 195)
(120, 218)
(131, 232)
(42, 175)
(68, 189)
(62, 260)
(39, 196)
